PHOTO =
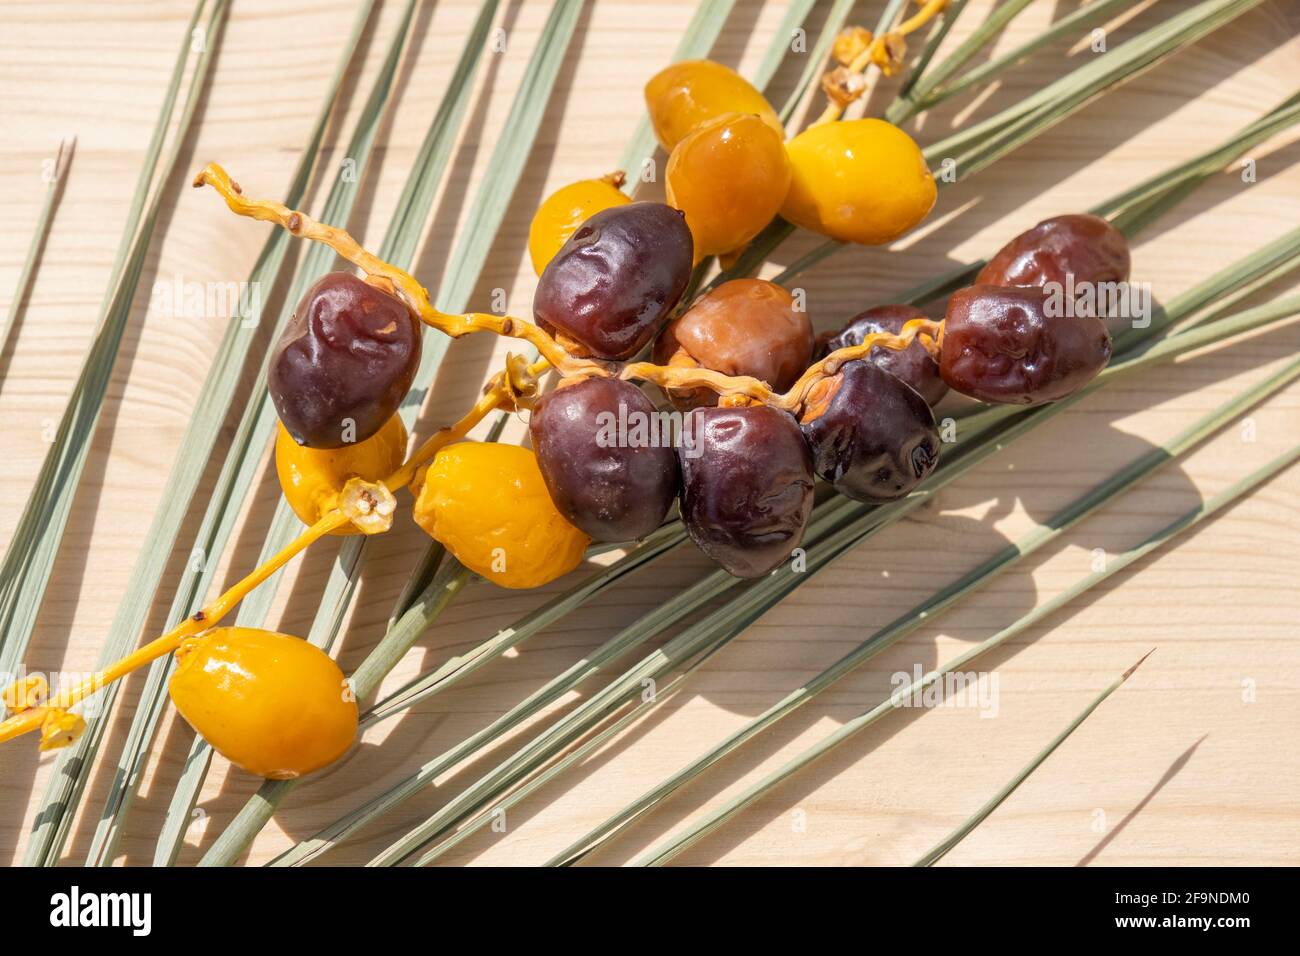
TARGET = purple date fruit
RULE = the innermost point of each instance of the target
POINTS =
(344, 362)
(1000, 344)
(611, 286)
(747, 486)
(872, 435)
(604, 469)
(912, 364)
(1086, 247)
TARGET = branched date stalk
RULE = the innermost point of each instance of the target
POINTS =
(368, 506)
(416, 297)
(858, 51)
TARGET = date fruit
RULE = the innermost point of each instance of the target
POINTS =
(344, 362)
(615, 280)
(606, 472)
(1000, 344)
(747, 486)
(743, 327)
(1086, 247)
(912, 364)
(872, 435)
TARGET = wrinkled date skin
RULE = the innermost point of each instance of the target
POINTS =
(747, 486)
(999, 345)
(615, 280)
(872, 435)
(912, 364)
(601, 483)
(1086, 247)
(344, 363)
(743, 327)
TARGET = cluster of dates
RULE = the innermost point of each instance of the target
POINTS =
(744, 473)
(612, 273)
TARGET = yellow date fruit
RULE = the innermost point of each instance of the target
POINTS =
(563, 211)
(488, 505)
(682, 96)
(269, 703)
(311, 478)
(861, 181)
(729, 177)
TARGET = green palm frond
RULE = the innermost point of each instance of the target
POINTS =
(504, 170)
(58, 173)
(1276, 255)
(944, 846)
(30, 559)
(1211, 506)
(196, 447)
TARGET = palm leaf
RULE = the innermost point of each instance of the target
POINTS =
(924, 613)
(759, 596)
(419, 614)
(243, 458)
(259, 423)
(833, 24)
(976, 146)
(1068, 26)
(914, 93)
(196, 448)
(462, 271)
(1022, 130)
(31, 556)
(53, 190)
(712, 821)
(654, 624)
(979, 145)
(795, 15)
(942, 848)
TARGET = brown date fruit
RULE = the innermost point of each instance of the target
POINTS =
(1086, 247)
(615, 280)
(743, 327)
(344, 362)
(606, 473)
(872, 435)
(747, 486)
(1000, 344)
(912, 364)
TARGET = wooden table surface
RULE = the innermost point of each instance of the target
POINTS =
(1193, 762)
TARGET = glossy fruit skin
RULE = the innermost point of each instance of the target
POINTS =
(487, 503)
(1000, 345)
(747, 494)
(743, 327)
(609, 491)
(872, 435)
(344, 362)
(311, 478)
(270, 703)
(615, 280)
(1086, 247)
(861, 181)
(685, 95)
(729, 176)
(563, 211)
(913, 364)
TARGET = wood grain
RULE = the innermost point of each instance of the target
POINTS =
(1191, 762)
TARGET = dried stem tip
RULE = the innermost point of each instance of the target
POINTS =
(369, 505)
(850, 44)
